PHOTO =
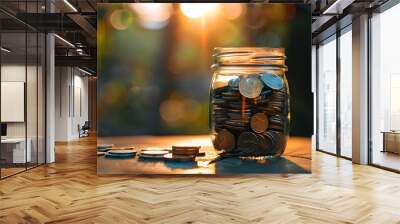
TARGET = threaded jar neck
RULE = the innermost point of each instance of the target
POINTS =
(249, 56)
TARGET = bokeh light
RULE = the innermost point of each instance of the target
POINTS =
(154, 15)
(114, 93)
(230, 34)
(121, 19)
(177, 112)
(172, 110)
(154, 59)
(197, 10)
(232, 11)
(256, 18)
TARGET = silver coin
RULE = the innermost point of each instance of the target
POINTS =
(154, 152)
(250, 87)
(272, 81)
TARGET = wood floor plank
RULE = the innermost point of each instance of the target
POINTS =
(69, 191)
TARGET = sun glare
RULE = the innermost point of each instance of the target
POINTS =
(154, 15)
(197, 10)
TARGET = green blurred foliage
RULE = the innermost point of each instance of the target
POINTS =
(154, 74)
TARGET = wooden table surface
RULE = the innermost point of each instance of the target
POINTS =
(296, 159)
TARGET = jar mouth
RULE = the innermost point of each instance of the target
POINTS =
(261, 56)
(247, 69)
(261, 51)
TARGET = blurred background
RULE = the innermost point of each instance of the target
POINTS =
(154, 61)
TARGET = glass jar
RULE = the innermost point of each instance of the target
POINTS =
(249, 101)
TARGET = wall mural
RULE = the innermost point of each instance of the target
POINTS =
(204, 88)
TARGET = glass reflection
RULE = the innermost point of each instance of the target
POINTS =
(22, 91)
(385, 84)
(327, 96)
(346, 94)
(15, 151)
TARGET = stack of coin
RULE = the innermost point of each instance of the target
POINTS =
(249, 115)
(185, 150)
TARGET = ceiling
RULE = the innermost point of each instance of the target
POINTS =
(76, 21)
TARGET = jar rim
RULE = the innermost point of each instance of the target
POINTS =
(249, 67)
(260, 51)
(249, 56)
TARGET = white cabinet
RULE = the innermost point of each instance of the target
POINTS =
(19, 155)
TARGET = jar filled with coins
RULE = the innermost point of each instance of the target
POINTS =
(249, 101)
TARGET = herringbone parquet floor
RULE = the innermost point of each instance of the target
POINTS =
(69, 191)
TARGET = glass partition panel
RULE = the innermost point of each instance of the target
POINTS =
(346, 94)
(22, 88)
(327, 96)
(33, 43)
(385, 89)
(14, 153)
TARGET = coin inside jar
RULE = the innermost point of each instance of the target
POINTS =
(272, 81)
(249, 105)
(250, 86)
(247, 141)
(259, 122)
(225, 140)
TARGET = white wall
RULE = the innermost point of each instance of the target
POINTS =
(71, 102)
(16, 73)
(80, 112)
(33, 127)
(61, 103)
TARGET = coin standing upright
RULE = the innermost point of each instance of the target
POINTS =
(249, 101)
